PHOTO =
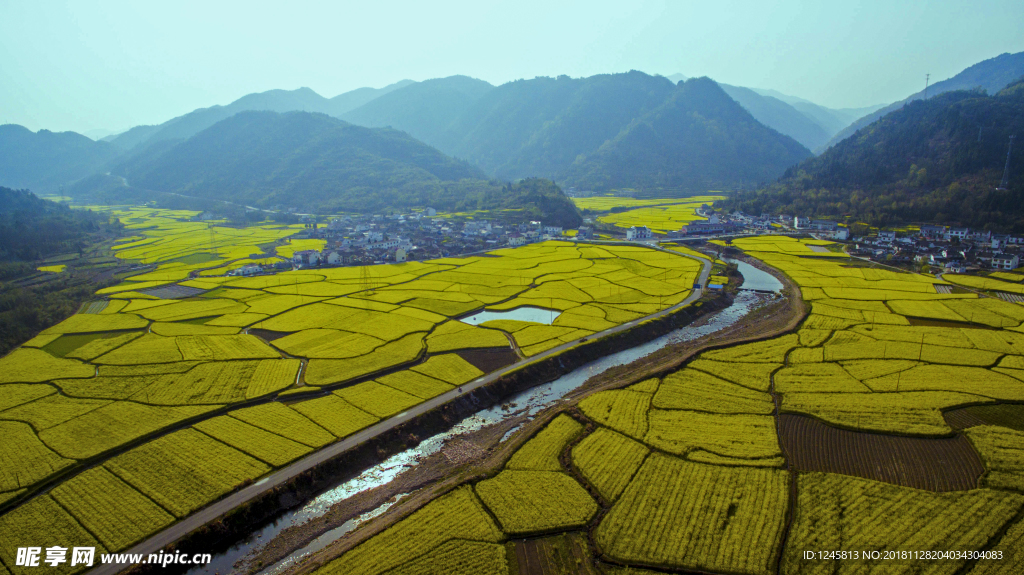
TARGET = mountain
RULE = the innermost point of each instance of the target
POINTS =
(780, 116)
(32, 228)
(830, 119)
(699, 139)
(317, 163)
(806, 122)
(302, 99)
(45, 160)
(423, 109)
(936, 160)
(991, 75)
(547, 127)
(539, 127)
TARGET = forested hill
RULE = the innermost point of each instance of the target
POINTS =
(991, 75)
(698, 139)
(32, 228)
(590, 131)
(302, 99)
(935, 160)
(44, 160)
(310, 161)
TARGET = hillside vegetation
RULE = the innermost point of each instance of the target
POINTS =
(32, 229)
(937, 160)
(44, 160)
(321, 164)
(991, 75)
(603, 132)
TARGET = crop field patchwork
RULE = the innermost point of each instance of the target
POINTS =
(185, 470)
(528, 502)
(661, 215)
(735, 528)
(932, 463)
(541, 453)
(859, 403)
(885, 517)
(861, 406)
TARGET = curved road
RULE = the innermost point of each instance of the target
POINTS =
(215, 510)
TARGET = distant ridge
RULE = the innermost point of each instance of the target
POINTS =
(319, 164)
(44, 160)
(302, 99)
(553, 127)
(937, 160)
(991, 75)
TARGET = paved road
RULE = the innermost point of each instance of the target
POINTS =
(210, 513)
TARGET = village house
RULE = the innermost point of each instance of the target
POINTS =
(1005, 261)
(306, 257)
(638, 233)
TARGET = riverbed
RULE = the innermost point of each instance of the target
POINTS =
(758, 289)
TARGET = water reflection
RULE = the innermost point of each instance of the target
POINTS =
(525, 313)
(529, 402)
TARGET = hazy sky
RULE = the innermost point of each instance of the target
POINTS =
(86, 65)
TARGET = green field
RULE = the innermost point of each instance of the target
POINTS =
(380, 340)
(688, 466)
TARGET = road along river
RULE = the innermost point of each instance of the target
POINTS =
(759, 289)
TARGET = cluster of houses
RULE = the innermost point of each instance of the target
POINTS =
(953, 249)
(363, 240)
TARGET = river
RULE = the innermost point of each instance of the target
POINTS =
(758, 289)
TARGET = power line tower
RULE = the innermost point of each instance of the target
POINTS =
(926, 78)
(366, 281)
(1005, 184)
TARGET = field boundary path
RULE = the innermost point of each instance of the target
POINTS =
(215, 510)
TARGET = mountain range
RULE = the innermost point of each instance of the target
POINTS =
(991, 75)
(661, 135)
(938, 160)
(318, 164)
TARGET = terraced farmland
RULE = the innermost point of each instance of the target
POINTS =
(694, 470)
(661, 215)
(136, 392)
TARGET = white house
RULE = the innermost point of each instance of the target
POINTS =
(515, 240)
(980, 236)
(308, 257)
(400, 255)
(637, 233)
(801, 223)
(430, 212)
(959, 233)
(333, 258)
(840, 233)
(1005, 261)
(384, 245)
(246, 270)
(553, 230)
(886, 236)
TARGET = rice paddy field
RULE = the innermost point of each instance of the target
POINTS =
(118, 423)
(846, 434)
(661, 215)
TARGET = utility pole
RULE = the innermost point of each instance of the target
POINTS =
(926, 78)
(1005, 184)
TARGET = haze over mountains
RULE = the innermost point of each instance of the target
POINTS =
(936, 160)
(991, 75)
(630, 130)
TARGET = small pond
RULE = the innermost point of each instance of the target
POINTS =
(525, 313)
